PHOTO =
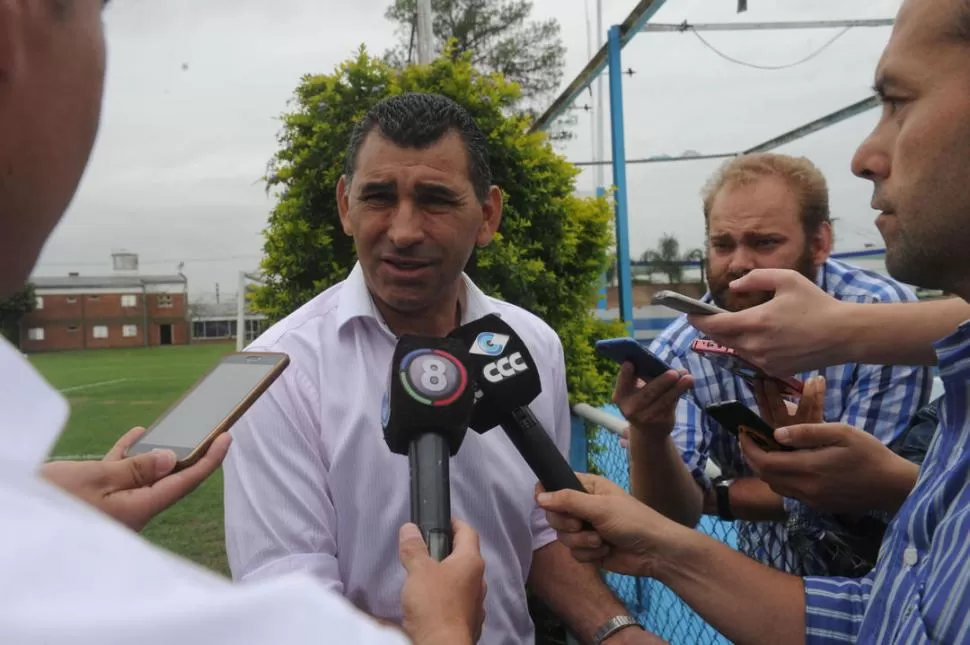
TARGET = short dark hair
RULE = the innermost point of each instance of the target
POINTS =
(418, 121)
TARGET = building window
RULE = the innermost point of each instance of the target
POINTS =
(100, 331)
(129, 301)
(35, 333)
(129, 331)
(71, 300)
(39, 302)
(72, 328)
(94, 298)
(164, 300)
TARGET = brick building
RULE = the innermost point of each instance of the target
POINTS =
(98, 312)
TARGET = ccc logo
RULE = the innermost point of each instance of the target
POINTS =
(505, 367)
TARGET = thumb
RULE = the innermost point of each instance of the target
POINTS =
(764, 280)
(814, 435)
(411, 547)
(139, 471)
(582, 506)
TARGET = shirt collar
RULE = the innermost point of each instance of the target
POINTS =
(356, 301)
(32, 414)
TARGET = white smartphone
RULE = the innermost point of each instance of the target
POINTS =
(212, 405)
(684, 304)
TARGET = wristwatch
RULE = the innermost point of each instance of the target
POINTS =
(723, 497)
(612, 626)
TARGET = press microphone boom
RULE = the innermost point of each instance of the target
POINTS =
(426, 412)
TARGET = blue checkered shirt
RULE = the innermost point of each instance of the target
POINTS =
(919, 591)
(879, 399)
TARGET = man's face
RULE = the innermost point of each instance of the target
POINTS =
(52, 69)
(758, 226)
(918, 156)
(415, 220)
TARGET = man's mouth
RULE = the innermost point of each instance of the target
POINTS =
(406, 264)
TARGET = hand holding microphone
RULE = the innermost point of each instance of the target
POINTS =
(426, 414)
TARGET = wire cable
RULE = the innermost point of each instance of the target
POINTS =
(736, 61)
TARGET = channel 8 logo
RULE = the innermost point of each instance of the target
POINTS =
(433, 376)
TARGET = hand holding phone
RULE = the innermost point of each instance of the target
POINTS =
(646, 365)
(211, 406)
(738, 419)
(685, 304)
(728, 359)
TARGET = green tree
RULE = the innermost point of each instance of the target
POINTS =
(551, 250)
(496, 33)
(13, 310)
(667, 259)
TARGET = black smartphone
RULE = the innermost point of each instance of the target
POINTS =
(684, 304)
(212, 406)
(737, 418)
(626, 349)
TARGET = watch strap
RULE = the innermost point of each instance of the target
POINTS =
(723, 496)
(612, 626)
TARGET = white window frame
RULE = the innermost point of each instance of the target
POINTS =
(35, 334)
(164, 300)
(129, 300)
(39, 302)
(99, 331)
(129, 331)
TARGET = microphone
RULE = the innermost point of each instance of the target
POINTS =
(425, 414)
(506, 382)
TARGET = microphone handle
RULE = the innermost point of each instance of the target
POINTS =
(540, 452)
(429, 460)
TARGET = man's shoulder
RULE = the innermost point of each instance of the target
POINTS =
(847, 281)
(310, 322)
(675, 339)
(535, 331)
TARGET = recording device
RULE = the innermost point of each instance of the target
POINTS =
(628, 350)
(728, 359)
(738, 419)
(211, 406)
(506, 382)
(425, 416)
(684, 304)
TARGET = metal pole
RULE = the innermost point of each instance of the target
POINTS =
(600, 112)
(619, 179)
(767, 26)
(241, 313)
(424, 32)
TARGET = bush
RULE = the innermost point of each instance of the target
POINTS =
(551, 250)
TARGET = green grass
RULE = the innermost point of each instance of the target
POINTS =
(152, 380)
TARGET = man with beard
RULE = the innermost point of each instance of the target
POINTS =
(764, 211)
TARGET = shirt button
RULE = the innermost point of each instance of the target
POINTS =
(910, 556)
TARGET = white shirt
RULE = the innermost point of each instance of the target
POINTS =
(312, 486)
(70, 575)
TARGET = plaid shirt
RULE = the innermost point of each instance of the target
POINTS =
(878, 399)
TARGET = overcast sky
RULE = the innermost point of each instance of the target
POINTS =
(195, 88)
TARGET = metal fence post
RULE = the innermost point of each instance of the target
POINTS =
(623, 271)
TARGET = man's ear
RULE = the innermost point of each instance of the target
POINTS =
(491, 216)
(822, 243)
(343, 203)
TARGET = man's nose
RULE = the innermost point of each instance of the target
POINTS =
(871, 161)
(406, 226)
(742, 261)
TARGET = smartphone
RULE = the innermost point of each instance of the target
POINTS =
(212, 405)
(685, 304)
(622, 350)
(728, 359)
(737, 418)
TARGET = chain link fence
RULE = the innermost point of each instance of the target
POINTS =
(657, 608)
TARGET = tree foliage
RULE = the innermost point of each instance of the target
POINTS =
(496, 33)
(13, 310)
(551, 250)
(667, 259)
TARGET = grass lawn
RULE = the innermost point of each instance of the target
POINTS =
(112, 391)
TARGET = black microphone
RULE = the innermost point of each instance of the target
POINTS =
(426, 412)
(506, 382)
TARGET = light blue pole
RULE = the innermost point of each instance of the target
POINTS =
(623, 272)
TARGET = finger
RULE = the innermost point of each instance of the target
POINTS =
(659, 393)
(564, 523)
(597, 484)
(582, 506)
(124, 444)
(777, 407)
(626, 382)
(753, 454)
(814, 435)
(815, 408)
(140, 471)
(465, 540)
(168, 490)
(585, 540)
(411, 547)
(625, 444)
(767, 280)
